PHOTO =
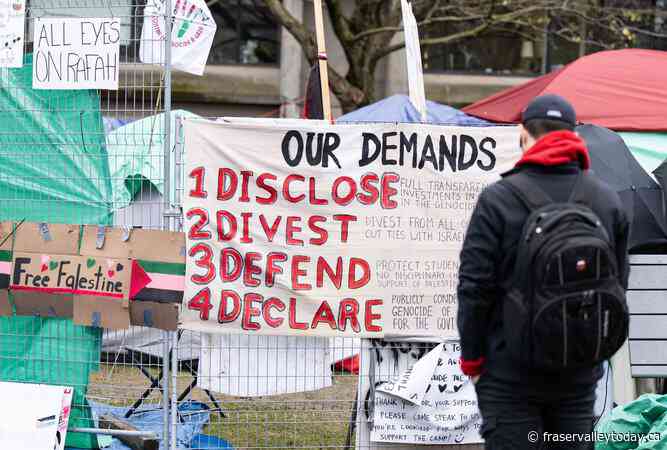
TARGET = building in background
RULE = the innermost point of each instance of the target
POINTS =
(257, 69)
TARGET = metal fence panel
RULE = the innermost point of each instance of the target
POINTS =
(87, 157)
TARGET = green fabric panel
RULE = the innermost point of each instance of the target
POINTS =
(52, 153)
(163, 267)
(53, 168)
(639, 417)
(52, 351)
(649, 149)
(136, 155)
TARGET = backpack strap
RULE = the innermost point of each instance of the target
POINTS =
(584, 190)
(527, 190)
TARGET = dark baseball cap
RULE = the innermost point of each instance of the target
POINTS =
(551, 107)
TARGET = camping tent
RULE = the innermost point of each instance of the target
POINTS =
(618, 89)
(399, 108)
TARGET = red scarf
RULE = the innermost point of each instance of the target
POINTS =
(557, 148)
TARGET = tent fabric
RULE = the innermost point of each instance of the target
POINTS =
(48, 140)
(399, 108)
(619, 89)
(649, 149)
(136, 154)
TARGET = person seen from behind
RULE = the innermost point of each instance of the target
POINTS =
(542, 280)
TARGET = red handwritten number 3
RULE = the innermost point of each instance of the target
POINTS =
(198, 175)
(202, 303)
(204, 262)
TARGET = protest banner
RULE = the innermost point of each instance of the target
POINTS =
(76, 53)
(12, 32)
(192, 33)
(304, 228)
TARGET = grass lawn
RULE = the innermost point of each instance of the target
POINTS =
(314, 420)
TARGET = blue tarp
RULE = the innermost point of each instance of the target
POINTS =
(194, 415)
(399, 108)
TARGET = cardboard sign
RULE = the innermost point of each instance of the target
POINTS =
(12, 32)
(71, 274)
(352, 230)
(76, 53)
(442, 410)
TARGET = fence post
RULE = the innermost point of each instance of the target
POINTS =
(167, 443)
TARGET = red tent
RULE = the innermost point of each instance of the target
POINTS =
(624, 90)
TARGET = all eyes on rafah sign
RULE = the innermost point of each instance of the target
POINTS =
(297, 227)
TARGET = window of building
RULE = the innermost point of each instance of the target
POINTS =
(246, 33)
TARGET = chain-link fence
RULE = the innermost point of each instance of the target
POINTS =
(112, 157)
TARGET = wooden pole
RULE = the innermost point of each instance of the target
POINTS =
(322, 58)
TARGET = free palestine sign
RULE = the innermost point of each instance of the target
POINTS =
(70, 274)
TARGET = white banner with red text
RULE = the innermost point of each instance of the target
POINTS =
(304, 227)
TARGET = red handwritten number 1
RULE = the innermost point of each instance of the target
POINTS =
(198, 174)
(202, 303)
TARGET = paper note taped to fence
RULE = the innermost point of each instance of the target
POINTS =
(302, 228)
(70, 274)
(12, 26)
(76, 53)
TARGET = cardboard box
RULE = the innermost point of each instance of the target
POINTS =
(38, 304)
(163, 316)
(103, 313)
(6, 309)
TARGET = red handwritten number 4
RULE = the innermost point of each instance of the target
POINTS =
(202, 303)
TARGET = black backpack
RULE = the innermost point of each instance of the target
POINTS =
(565, 306)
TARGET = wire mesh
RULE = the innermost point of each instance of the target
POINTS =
(115, 158)
(86, 157)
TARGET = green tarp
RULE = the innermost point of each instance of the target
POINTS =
(52, 154)
(641, 424)
(53, 168)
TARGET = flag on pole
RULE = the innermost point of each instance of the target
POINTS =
(414, 60)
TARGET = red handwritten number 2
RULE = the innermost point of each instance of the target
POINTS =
(198, 175)
(202, 303)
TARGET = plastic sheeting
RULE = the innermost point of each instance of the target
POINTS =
(52, 153)
(645, 417)
(136, 154)
(54, 169)
(52, 351)
(194, 416)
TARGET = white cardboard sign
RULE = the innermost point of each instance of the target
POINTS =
(446, 411)
(12, 32)
(36, 417)
(76, 53)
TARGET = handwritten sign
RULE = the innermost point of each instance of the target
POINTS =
(192, 33)
(301, 228)
(446, 410)
(76, 53)
(12, 32)
(70, 274)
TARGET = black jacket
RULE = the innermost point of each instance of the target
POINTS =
(487, 258)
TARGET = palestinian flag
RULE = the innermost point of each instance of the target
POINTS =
(161, 282)
(5, 268)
